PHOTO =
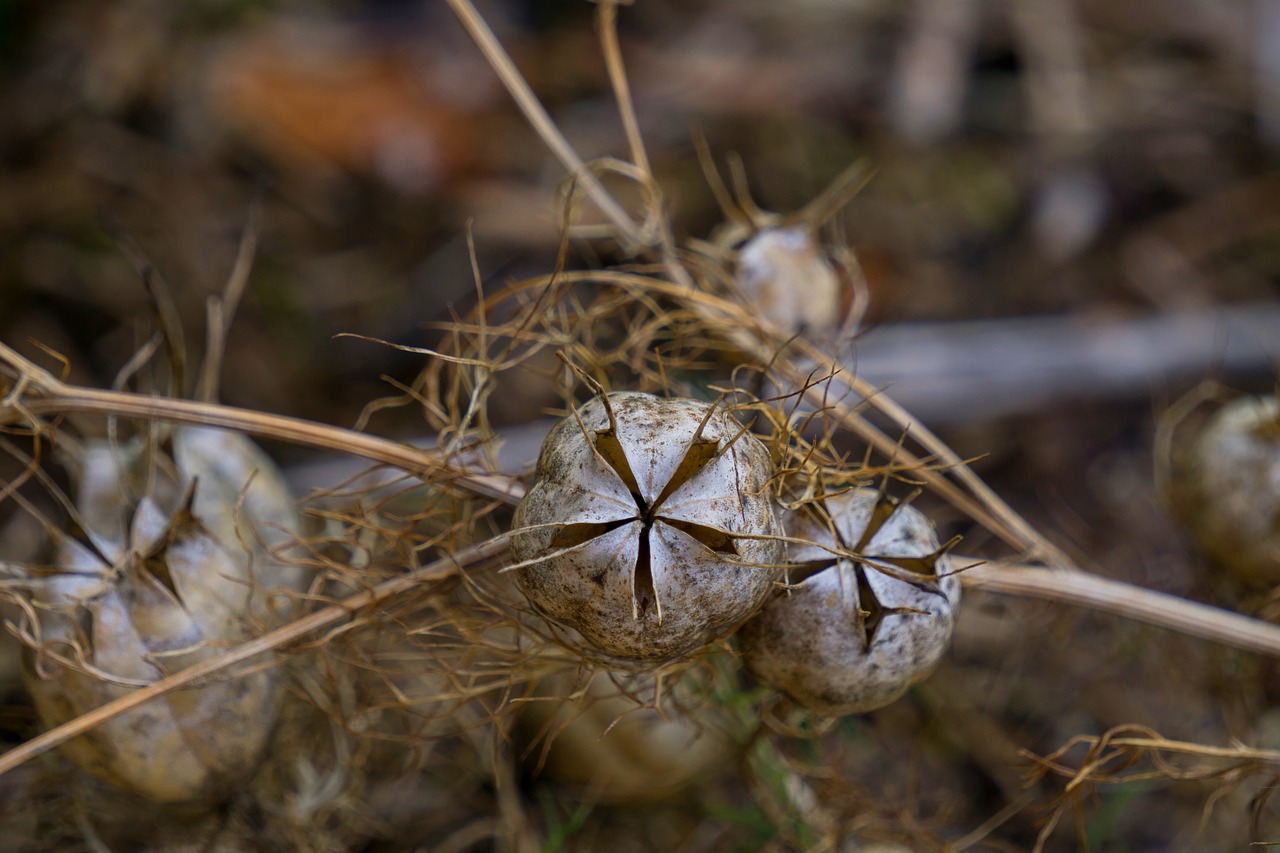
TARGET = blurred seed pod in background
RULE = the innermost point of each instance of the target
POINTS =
(603, 743)
(782, 267)
(785, 275)
(871, 611)
(162, 578)
(1224, 484)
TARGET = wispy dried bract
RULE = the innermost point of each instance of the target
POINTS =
(1137, 754)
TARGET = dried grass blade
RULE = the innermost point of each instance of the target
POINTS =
(538, 118)
(1132, 602)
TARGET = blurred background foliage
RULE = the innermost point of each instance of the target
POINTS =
(1051, 156)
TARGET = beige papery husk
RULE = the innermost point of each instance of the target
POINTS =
(868, 611)
(176, 547)
(649, 528)
(162, 576)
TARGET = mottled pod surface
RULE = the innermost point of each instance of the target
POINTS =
(855, 632)
(1227, 489)
(160, 581)
(642, 530)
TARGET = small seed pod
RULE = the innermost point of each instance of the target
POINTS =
(648, 529)
(855, 632)
(1225, 486)
(784, 273)
(152, 591)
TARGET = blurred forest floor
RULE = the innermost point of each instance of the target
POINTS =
(1111, 169)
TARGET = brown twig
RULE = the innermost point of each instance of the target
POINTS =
(37, 393)
(1121, 599)
(607, 30)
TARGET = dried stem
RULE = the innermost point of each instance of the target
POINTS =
(607, 26)
(37, 393)
(541, 122)
(221, 311)
(1142, 605)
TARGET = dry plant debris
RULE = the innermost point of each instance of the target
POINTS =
(393, 679)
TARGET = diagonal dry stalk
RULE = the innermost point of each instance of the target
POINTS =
(537, 116)
(35, 393)
(1083, 589)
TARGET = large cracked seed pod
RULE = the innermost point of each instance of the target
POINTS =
(1226, 488)
(150, 591)
(649, 528)
(854, 634)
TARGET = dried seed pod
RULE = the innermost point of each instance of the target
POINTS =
(648, 528)
(243, 500)
(151, 592)
(854, 634)
(154, 615)
(1225, 487)
(785, 275)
